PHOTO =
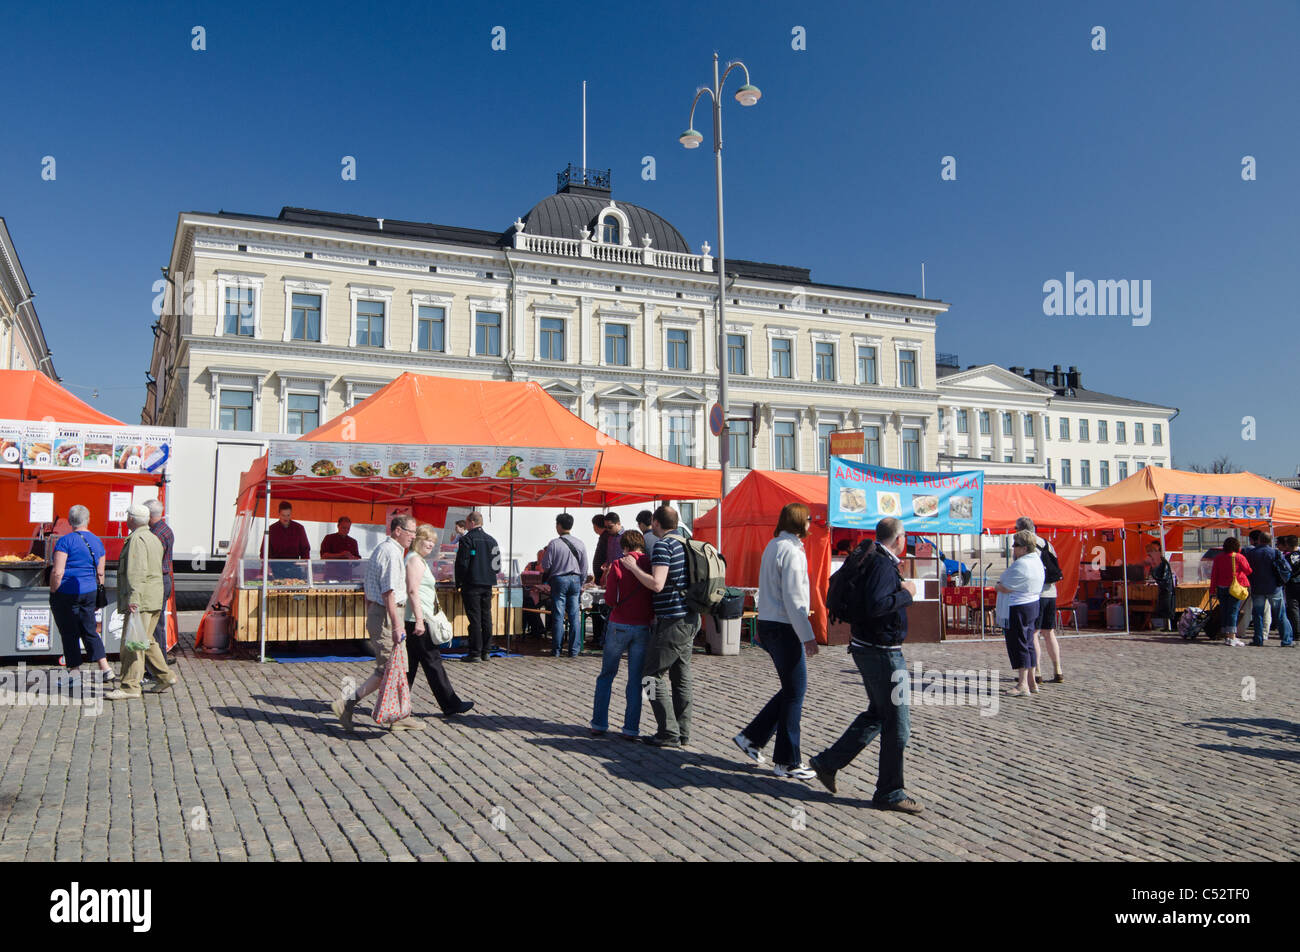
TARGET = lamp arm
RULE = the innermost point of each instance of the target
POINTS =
(730, 66)
(690, 123)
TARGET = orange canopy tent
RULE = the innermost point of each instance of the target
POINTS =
(751, 511)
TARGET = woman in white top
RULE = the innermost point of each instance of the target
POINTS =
(421, 606)
(785, 631)
(1017, 609)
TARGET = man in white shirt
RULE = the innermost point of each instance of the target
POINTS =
(1046, 610)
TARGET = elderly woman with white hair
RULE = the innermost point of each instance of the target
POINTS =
(1017, 609)
(75, 577)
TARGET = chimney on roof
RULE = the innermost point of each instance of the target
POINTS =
(1072, 378)
(1040, 376)
(1018, 371)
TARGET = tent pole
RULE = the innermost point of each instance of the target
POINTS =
(1123, 561)
(266, 565)
(983, 579)
(510, 588)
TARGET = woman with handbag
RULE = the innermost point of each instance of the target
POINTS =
(1231, 579)
(427, 628)
(76, 591)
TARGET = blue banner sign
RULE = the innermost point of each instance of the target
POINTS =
(860, 495)
(1182, 506)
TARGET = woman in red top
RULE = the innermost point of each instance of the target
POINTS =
(1228, 564)
(628, 630)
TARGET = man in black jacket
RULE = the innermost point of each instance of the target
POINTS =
(478, 558)
(877, 650)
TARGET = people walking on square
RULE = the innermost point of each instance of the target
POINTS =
(1229, 566)
(421, 608)
(672, 639)
(478, 559)
(385, 593)
(75, 576)
(564, 566)
(1162, 577)
(1245, 618)
(1045, 623)
(786, 634)
(599, 559)
(158, 526)
(628, 632)
(1018, 611)
(140, 592)
(877, 650)
(1290, 546)
(1269, 573)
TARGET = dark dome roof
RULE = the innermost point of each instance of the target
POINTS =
(564, 215)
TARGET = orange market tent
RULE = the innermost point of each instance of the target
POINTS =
(1137, 500)
(750, 512)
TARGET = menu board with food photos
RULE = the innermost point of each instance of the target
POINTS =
(1185, 506)
(860, 495)
(79, 446)
(309, 460)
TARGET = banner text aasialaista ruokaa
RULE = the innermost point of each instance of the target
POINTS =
(860, 495)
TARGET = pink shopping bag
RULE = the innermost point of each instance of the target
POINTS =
(394, 700)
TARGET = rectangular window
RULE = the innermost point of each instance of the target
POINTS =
(782, 357)
(986, 426)
(239, 312)
(824, 431)
(783, 436)
(963, 422)
(1139, 435)
(679, 349)
(616, 337)
(1102, 431)
(1029, 425)
(432, 330)
(552, 340)
(1123, 469)
(370, 323)
(1083, 432)
(1065, 428)
(1120, 435)
(305, 317)
(1006, 424)
(303, 413)
(487, 333)
(1157, 434)
(911, 447)
(867, 365)
(686, 514)
(1085, 472)
(1030, 458)
(1008, 459)
(681, 437)
(871, 445)
(1105, 472)
(986, 457)
(235, 410)
(738, 442)
(825, 357)
(1141, 466)
(736, 362)
(1065, 472)
(907, 368)
(616, 421)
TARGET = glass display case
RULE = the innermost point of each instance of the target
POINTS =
(283, 574)
(345, 574)
(21, 565)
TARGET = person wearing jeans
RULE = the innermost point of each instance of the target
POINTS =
(628, 630)
(786, 634)
(1229, 564)
(1269, 573)
(564, 566)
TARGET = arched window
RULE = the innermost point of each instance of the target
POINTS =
(609, 231)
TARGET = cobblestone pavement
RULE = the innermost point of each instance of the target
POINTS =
(1148, 751)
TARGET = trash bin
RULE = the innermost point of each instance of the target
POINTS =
(1115, 616)
(722, 635)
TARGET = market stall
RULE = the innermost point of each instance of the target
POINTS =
(57, 452)
(421, 444)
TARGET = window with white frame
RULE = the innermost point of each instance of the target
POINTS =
(1065, 428)
(907, 368)
(1139, 435)
(1008, 459)
(1140, 465)
(235, 409)
(610, 233)
(824, 355)
(616, 420)
(370, 323)
(678, 349)
(1120, 432)
(824, 431)
(686, 514)
(1104, 472)
(302, 413)
(739, 440)
(782, 357)
(681, 436)
(986, 423)
(551, 340)
(431, 330)
(487, 333)
(1007, 425)
(736, 356)
(867, 373)
(1085, 472)
(1122, 466)
(240, 318)
(963, 421)
(784, 434)
(1083, 432)
(1157, 434)
(871, 445)
(304, 317)
(911, 440)
(616, 345)
(1103, 434)
(1065, 472)
(1029, 425)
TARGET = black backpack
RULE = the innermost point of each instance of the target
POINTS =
(1051, 567)
(844, 593)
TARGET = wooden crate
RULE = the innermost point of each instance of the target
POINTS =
(309, 615)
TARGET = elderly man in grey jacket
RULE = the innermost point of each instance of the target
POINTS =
(140, 591)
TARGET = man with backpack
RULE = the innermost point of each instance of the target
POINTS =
(1046, 603)
(873, 596)
(668, 658)
(1269, 573)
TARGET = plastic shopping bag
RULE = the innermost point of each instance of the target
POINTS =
(134, 637)
(394, 701)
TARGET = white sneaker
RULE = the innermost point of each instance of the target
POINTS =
(1234, 642)
(798, 772)
(748, 749)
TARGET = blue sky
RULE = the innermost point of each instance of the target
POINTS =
(1123, 164)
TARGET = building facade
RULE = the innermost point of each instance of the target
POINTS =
(280, 323)
(22, 341)
(994, 420)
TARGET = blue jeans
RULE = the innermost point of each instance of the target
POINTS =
(566, 613)
(891, 721)
(1277, 605)
(781, 714)
(620, 638)
(1230, 608)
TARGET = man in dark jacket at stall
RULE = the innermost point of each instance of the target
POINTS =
(1269, 573)
(877, 651)
(478, 559)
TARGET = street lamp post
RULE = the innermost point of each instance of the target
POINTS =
(747, 95)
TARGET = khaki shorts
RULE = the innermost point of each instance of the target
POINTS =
(380, 629)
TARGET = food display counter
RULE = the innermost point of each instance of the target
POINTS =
(27, 626)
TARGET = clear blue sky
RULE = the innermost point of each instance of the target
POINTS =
(1117, 164)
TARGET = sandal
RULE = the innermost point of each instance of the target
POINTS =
(1015, 692)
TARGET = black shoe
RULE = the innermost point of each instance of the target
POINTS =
(465, 708)
(827, 777)
(596, 733)
(487, 657)
(665, 742)
(905, 805)
(469, 658)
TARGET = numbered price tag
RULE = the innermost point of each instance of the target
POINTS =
(11, 454)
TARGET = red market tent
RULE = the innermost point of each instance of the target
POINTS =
(751, 509)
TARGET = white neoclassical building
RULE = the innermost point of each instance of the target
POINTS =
(278, 323)
(22, 340)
